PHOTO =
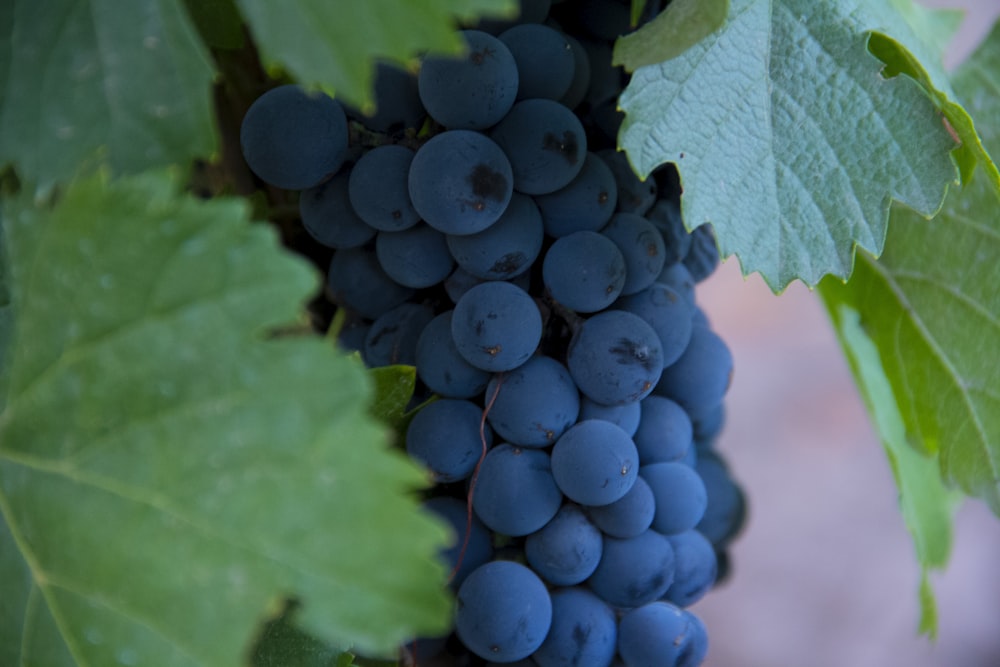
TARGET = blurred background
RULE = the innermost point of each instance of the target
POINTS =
(824, 573)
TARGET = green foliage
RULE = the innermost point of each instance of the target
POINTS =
(931, 305)
(170, 468)
(786, 138)
(126, 83)
(333, 43)
(925, 502)
(677, 28)
(394, 387)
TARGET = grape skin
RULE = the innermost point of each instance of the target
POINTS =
(615, 357)
(496, 326)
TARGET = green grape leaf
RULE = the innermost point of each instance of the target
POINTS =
(218, 21)
(932, 307)
(128, 83)
(172, 467)
(335, 43)
(283, 644)
(787, 139)
(677, 28)
(926, 504)
(394, 386)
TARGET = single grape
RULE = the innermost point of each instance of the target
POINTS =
(567, 550)
(503, 611)
(641, 246)
(630, 515)
(415, 257)
(665, 215)
(585, 204)
(357, 281)
(472, 553)
(665, 432)
(506, 248)
(460, 182)
(635, 570)
(626, 415)
(677, 277)
(615, 357)
(634, 195)
(472, 91)
(702, 257)
(397, 101)
(544, 58)
(445, 437)
(441, 367)
(670, 315)
(533, 404)
(496, 326)
(680, 496)
(726, 507)
(581, 75)
(292, 138)
(594, 462)
(699, 378)
(695, 568)
(379, 189)
(329, 218)
(584, 271)
(545, 144)
(392, 338)
(584, 631)
(515, 493)
(656, 635)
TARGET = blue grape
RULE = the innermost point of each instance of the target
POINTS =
(545, 144)
(680, 496)
(615, 357)
(503, 611)
(699, 378)
(358, 281)
(544, 58)
(581, 75)
(496, 326)
(630, 515)
(379, 188)
(473, 91)
(329, 218)
(515, 493)
(641, 246)
(656, 635)
(726, 508)
(506, 248)
(703, 256)
(708, 425)
(392, 338)
(533, 404)
(604, 19)
(441, 367)
(634, 195)
(635, 570)
(479, 547)
(584, 271)
(460, 182)
(294, 139)
(662, 308)
(352, 337)
(626, 415)
(585, 204)
(567, 550)
(445, 437)
(677, 277)
(584, 631)
(665, 432)
(594, 462)
(397, 101)
(415, 257)
(665, 215)
(695, 568)
(606, 80)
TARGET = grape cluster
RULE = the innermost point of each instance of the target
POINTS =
(481, 226)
